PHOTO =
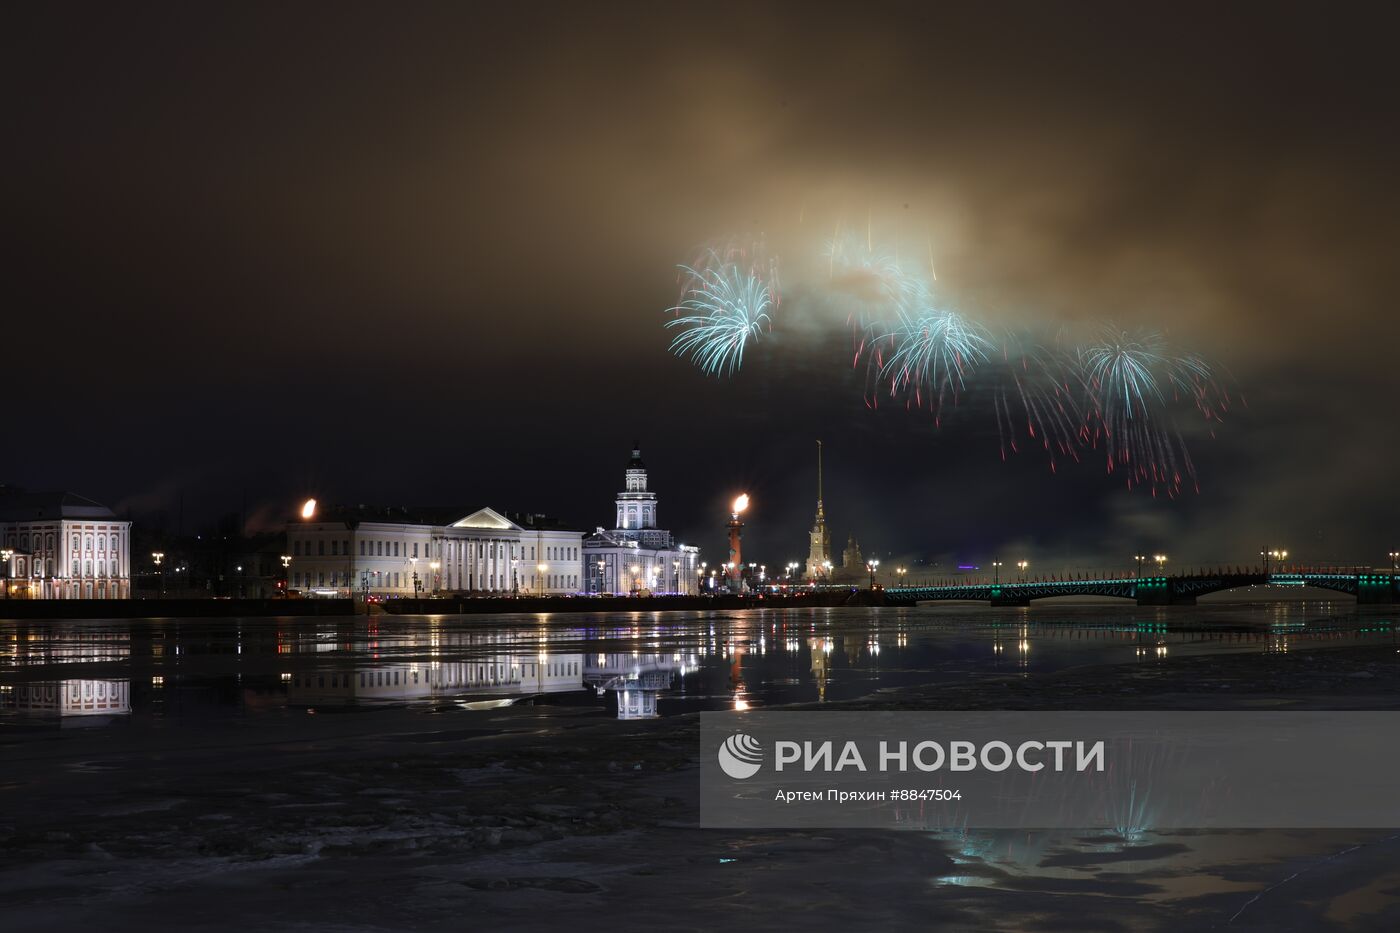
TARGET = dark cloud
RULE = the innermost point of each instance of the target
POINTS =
(421, 254)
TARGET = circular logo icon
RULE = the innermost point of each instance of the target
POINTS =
(740, 756)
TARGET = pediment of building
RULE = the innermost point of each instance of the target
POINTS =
(487, 519)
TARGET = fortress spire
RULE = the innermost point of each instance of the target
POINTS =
(819, 554)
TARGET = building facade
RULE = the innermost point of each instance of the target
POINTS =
(395, 553)
(62, 546)
(636, 556)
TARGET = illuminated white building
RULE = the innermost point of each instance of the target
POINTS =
(636, 556)
(62, 546)
(380, 551)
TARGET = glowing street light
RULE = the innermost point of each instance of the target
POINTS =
(1139, 558)
(159, 556)
(872, 566)
(996, 572)
(1277, 555)
(308, 508)
(1161, 559)
(1394, 561)
(5, 555)
(900, 573)
(1021, 565)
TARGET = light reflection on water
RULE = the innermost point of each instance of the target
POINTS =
(636, 664)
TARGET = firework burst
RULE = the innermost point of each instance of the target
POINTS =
(723, 308)
(1131, 383)
(927, 356)
(1115, 393)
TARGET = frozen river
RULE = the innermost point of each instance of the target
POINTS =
(78, 673)
(422, 773)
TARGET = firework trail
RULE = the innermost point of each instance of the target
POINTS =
(723, 308)
(750, 255)
(1039, 391)
(1131, 382)
(928, 355)
(874, 290)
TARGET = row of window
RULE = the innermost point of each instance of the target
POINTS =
(377, 579)
(41, 567)
(341, 548)
(103, 543)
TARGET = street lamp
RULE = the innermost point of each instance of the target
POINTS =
(1139, 558)
(413, 562)
(1394, 561)
(159, 556)
(872, 566)
(1275, 554)
(996, 572)
(900, 572)
(1021, 565)
(636, 579)
(5, 555)
(826, 574)
(1161, 559)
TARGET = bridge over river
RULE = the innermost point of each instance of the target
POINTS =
(1367, 587)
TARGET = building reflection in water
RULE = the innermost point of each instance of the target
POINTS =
(499, 668)
(637, 679)
(68, 702)
(821, 664)
(60, 672)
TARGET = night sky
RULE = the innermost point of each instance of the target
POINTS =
(411, 255)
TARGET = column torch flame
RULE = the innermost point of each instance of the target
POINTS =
(741, 503)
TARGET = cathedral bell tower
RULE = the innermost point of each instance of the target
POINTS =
(820, 550)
